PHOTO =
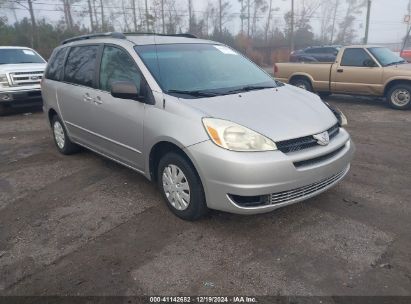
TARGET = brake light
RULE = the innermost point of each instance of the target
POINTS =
(275, 69)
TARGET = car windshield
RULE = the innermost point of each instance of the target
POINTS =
(202, 70)
(385, 56)
(16, 56)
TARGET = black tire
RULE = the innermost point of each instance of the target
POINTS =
(324, 94)
(399, 96)
(3, 110)
(196, 207)
(302, 83)
(68, 147)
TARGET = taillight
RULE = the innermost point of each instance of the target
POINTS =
(275, 68)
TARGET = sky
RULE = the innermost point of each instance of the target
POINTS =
(386, 25)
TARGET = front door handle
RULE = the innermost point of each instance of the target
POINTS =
(340, 70)
(87, 97)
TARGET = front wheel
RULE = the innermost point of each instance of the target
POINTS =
(181, 187)
(302, 84)
(399, 96)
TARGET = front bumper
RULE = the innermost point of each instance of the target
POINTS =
(225, 174)
(21, 98)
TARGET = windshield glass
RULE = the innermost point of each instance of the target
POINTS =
(385, 56)
(202, 68)
(13, 56)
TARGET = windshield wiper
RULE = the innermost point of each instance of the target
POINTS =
(194, 93)
(396, 62)
(249, 88)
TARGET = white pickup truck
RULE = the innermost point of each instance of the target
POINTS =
(21, 71)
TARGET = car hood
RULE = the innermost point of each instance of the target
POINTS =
(281, 113)
(22, 67)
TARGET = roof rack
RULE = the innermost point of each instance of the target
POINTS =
(115, 35)
(186, 35)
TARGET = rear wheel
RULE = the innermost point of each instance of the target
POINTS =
(302, 83)
(63, 143)
(3, 110)
(181, 187)
(399, 96)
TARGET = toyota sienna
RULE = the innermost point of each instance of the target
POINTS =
(198, 118)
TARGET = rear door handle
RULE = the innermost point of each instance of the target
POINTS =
(340, 70)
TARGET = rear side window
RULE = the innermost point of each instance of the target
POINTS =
(81, 65)
(355, 57)
(55, 66)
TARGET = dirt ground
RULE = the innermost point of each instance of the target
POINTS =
(83, 225)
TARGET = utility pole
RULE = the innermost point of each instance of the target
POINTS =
(367, 24)
(292, 27)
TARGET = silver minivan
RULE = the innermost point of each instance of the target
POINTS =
(198, 118)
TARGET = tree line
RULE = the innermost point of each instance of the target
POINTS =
(262, 28)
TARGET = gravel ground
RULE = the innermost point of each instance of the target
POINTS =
(83, 225)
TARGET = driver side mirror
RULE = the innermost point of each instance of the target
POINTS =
(369, 63)
(125, 90)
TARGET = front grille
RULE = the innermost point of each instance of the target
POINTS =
(297, 144)
(26, 78)
(284, 196)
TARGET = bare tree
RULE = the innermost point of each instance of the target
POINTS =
(29, 7)
(90, 13)
(103, 21)
(133, 8)
(327, 14)
(223, 9)
(242, 15)
(269, 17)
(346, 33)
(259, 6)
(336, 6)
(68, 18)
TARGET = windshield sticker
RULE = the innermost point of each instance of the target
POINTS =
(28, 52)
(225, 50)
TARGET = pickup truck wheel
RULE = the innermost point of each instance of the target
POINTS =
(302, 84)
(181, 187)
(399, 96)
(63, 143)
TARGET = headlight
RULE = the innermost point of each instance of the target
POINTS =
(4, 82)
(342, 120)
(235, 137)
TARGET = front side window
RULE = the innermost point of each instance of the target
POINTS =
(18, 56)
(356, 58)
(117, 65)
(55, 65)
(202, 68)
(81, 65)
